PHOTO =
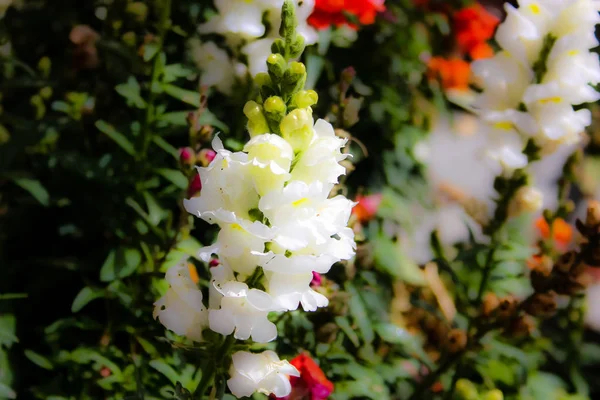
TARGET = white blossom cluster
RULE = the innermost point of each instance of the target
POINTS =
(241, 23)
(277, 226)
(545, 68)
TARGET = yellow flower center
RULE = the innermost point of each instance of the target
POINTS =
(534, 8)
(547, 100)
(505, 125)
(298, 203)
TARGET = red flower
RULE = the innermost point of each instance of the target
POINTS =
(367, 206)
(452, 73)
(312, 384)
(473, 26)
(332, 12)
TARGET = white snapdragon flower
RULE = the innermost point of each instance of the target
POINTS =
(217, 68)
(227, 188)
(244, 312)
(263, 373)
(181, 309)
(320, 160)
(506, 149)
(290, 290)
(237, 243)
(240, 17)
(271, 158)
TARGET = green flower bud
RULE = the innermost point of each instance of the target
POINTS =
(278, 47)
(293, 79)
(296, 47)
(466, 390)
(257, 123)
(305, 98)
(44, 66)
(297, 128)
(289, 23)
(46, 92)
(263, 79)
(493, 395)
(275, 105)
(276, 65)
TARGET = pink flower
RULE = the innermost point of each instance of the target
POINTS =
(195, 186)
(206, 156)
(316, 280)
(367, 206)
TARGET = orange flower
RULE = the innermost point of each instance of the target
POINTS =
(453, 73)
(334, 12)
(562, 232)
(193, 273)
(473, 26)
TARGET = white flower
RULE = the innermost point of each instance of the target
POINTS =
(241, 17)
(503, 80)
(227, 188)
(521, 36)
(181, 309)
(236, 244)
(257, 52)
(271, 157)
(296, 264)
(217, 68)
(263, 373)
(243, 312)
(506, 149)
(289, 290)
(559, 123)
(320, 160)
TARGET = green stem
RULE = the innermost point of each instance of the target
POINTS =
(208, 377)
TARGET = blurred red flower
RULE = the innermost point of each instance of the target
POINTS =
(452, 73)
(312, 384)
(473, 26)
(333, 12)
(367, 206)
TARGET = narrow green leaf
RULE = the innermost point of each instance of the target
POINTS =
(34, 188)
(155, 211)
(84, 296)
(166, 370)
(116, 136)
(179, 118)
(187, 96)
(174, 176)
(6, 392)
(8, 325)
(359, 313)
(163, 144)
(39, 360)
(390, 258)
(410, 344)
(130, 90)
(344, 325)
(150, 50)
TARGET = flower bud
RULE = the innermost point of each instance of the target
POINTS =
(489, 304)
(523, 326)
(507, 306)
(276, 65)
(527, 199)
(297, 47)
(278, 47)
(305, 98)
(206, 156)
(317, 280)
(257, 123)
(195, 186)
(297, 128)
(294, 79)
(592, 218)
(566, 261)
(457, 340)
(187, 156)
(466, 390)
(542, 304)
(493, 395)
(274, 105)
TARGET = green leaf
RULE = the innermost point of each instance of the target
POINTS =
(6, 392)
(390, 258)
(120, 263)
(155, 211)
(359, 313)
(84, 296)
(314, 67)
(179, 118)
(166, 370)
(163, 144)
(130, 90)
(34, 188)
(410, 344)
(8, 325)
(175, 71)
(116, 136)
(174, 176)
(150, 50)
(344, 325)
(39, 360)
(187, 96)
